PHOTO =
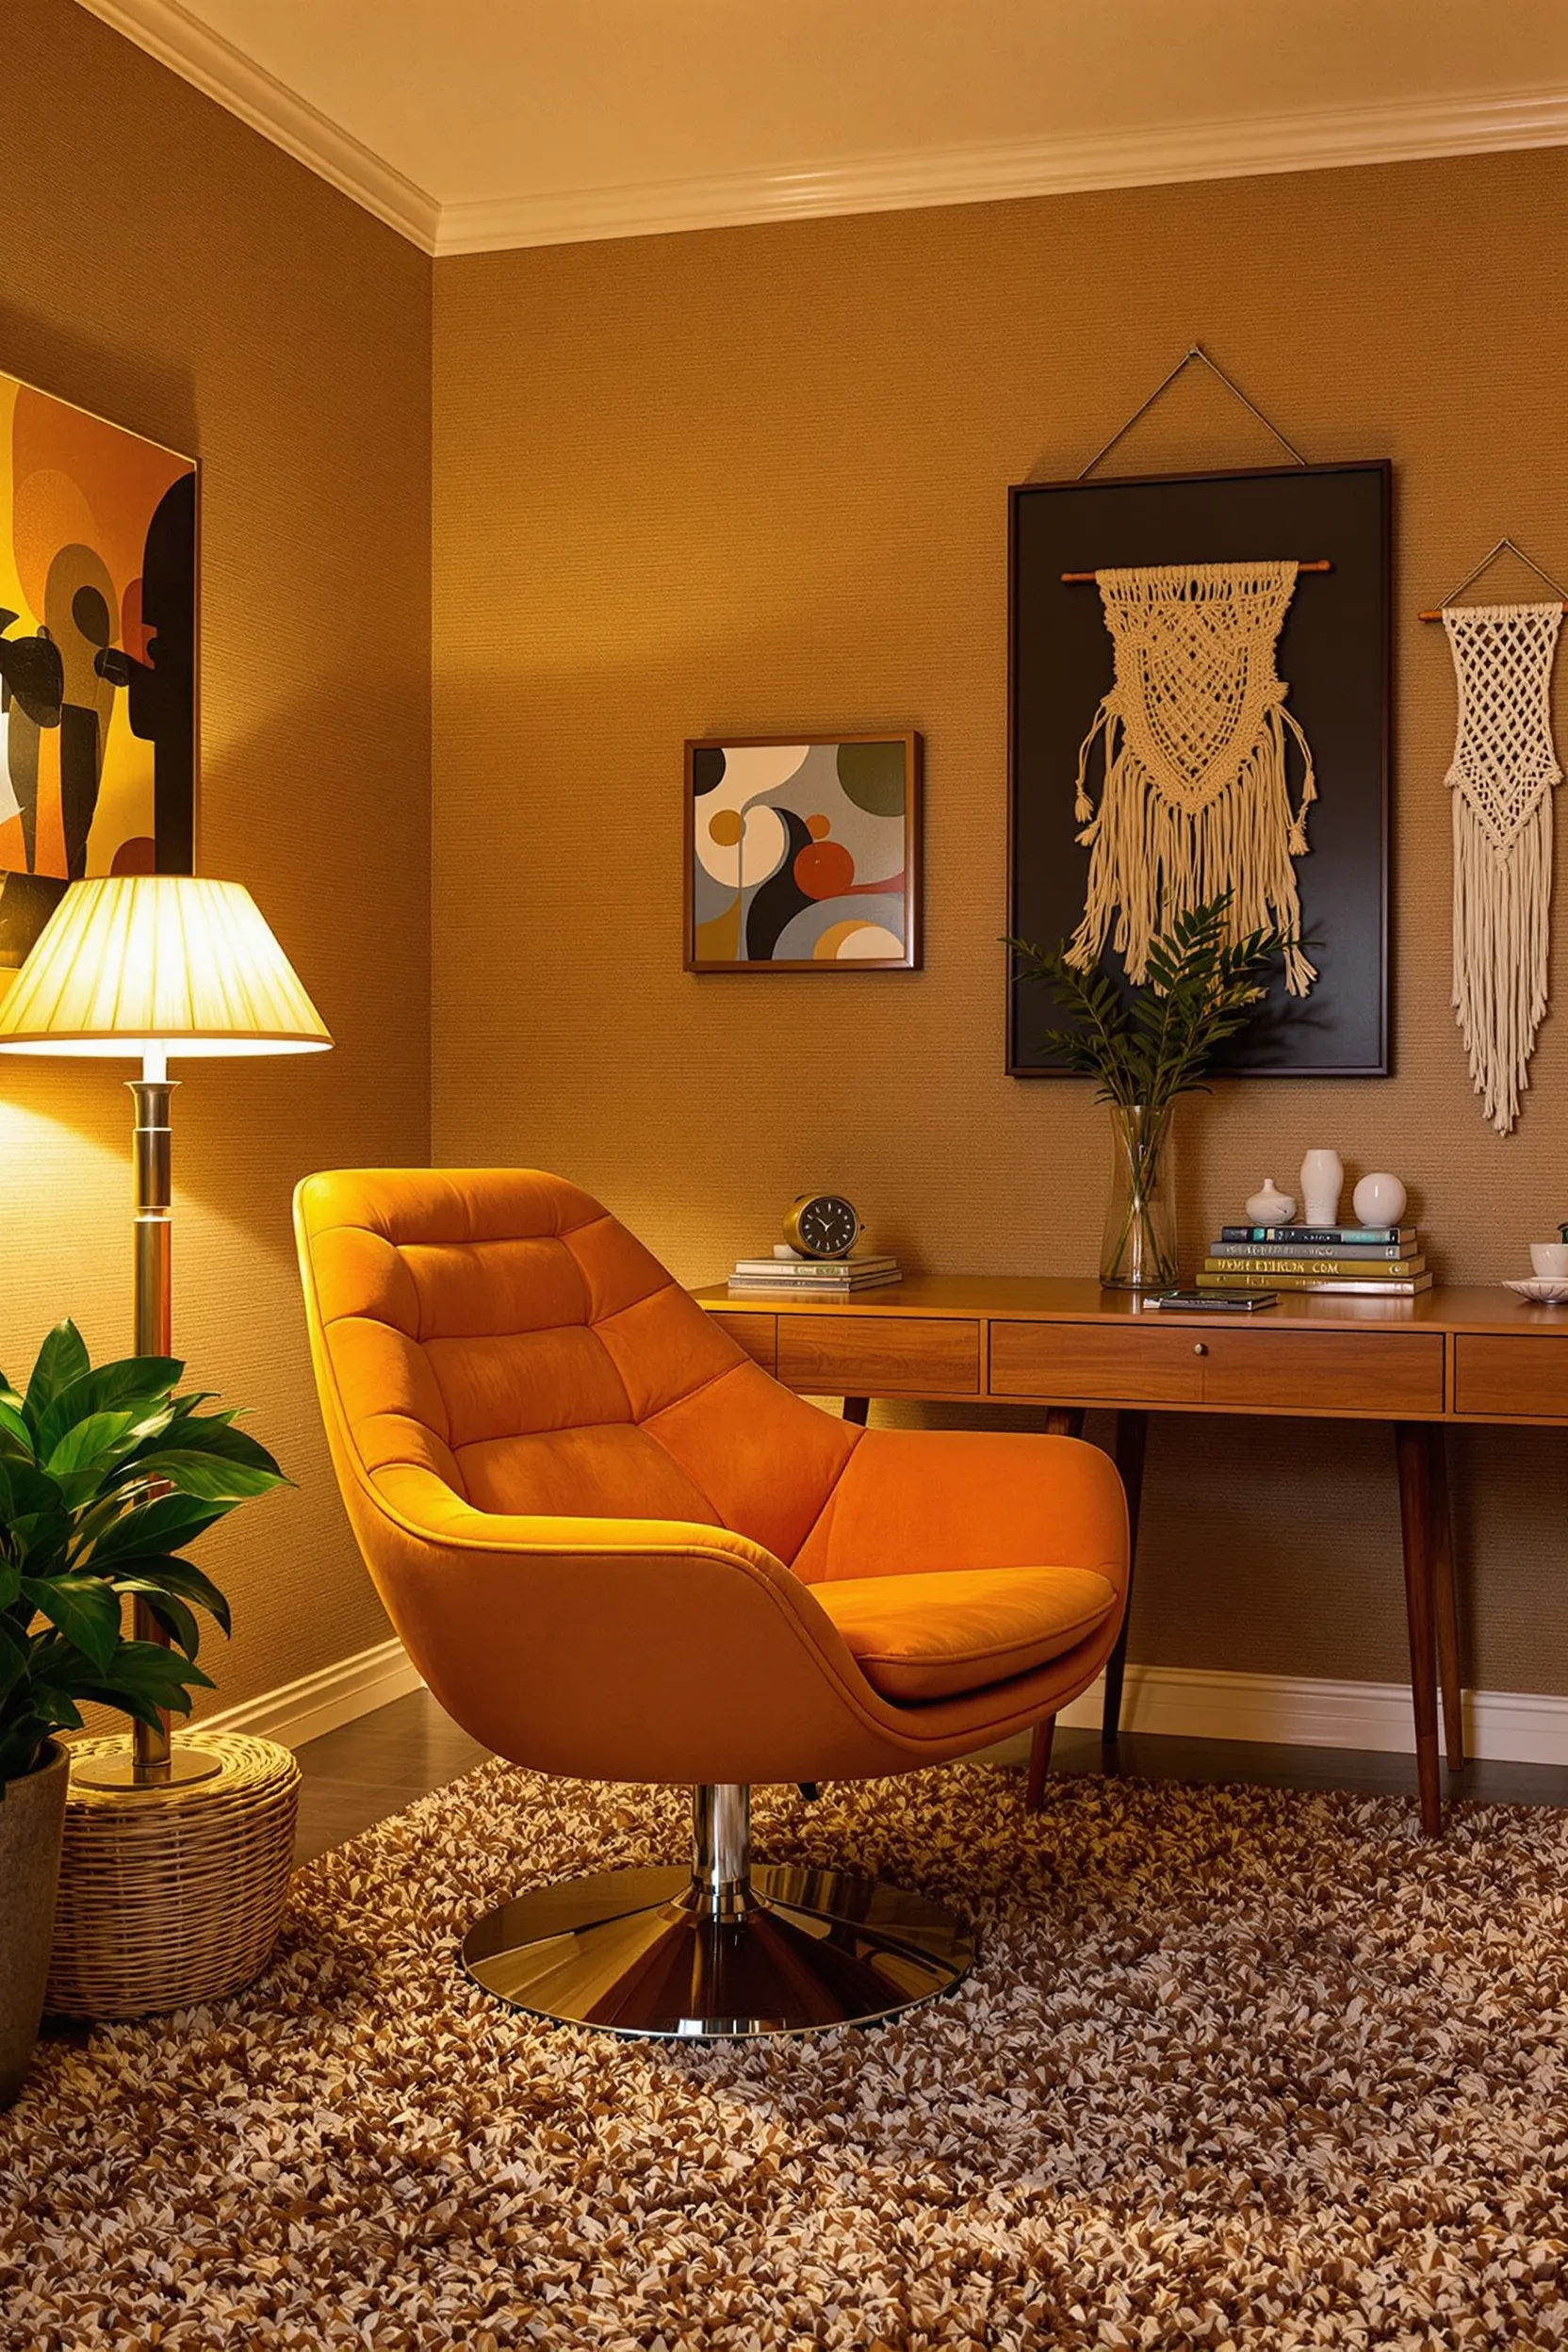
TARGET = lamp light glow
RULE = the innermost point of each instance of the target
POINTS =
(145, 967)
(159, 964)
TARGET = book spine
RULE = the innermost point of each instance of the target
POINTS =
(1333, 1285)
(1290, 1235)
(1387, 1269)
(766, 1281)
(758, 1289)
(1368, 1252)
(847, 1270)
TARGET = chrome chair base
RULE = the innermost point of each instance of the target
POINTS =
(721, 1952)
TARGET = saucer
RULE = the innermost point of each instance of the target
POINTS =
(1547, 1290)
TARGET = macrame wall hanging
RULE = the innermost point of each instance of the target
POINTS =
(1199, 708)
(1502, 776)
(1196, 798)
(1196, 795)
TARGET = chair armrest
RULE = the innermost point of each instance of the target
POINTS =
(427, 1506)
(614, 1648)
(911, 1501)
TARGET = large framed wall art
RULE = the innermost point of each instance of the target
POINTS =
(1200, 699)
(97, 656)
(803, 853)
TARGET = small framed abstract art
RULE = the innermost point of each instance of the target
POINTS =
(97, 656)
(802, 854)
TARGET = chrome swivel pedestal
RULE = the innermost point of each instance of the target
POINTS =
(723, 1952)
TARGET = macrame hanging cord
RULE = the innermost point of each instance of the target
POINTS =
(1196, 797)
(1503, 772)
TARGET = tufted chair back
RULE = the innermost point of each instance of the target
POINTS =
(499, 1328)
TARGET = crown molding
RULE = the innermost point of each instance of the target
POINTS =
(1400, 132)
(191, 49)
(1396, 133)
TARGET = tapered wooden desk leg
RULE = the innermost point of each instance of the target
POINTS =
(1413, 1452)
(1039, 1764)
(1060, 1421)
(1132, 1441)
(1451, 1672)
(856, 1409)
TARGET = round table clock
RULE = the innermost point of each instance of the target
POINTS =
(822, 1225)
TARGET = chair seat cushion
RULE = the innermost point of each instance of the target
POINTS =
(931, 1636)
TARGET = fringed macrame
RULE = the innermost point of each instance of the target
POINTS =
(1196, 798)
(1504, 768)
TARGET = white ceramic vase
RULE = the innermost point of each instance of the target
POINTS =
(1322, 1180)
(1379, 1200)
(1269, 1205)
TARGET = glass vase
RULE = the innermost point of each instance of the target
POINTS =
(1138, 1248)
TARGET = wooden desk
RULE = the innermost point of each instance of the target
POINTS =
(1422, 1364)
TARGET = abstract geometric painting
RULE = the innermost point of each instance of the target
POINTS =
(803, 855)
(97, 656)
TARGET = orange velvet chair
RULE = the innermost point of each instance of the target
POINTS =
(617, 1549)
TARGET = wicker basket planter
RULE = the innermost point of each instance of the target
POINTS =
(169, 1896)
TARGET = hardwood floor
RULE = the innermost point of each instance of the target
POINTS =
(366, 1770)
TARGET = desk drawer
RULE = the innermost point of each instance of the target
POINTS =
(1521, 1378)
(757, 1333)
(855, 1355)
(1382, 1374)
(1127, 1364)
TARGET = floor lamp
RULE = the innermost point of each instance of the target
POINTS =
(153, 966)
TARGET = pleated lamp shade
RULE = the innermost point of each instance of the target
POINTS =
(170, 963)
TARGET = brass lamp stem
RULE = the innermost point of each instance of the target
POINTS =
(154, 1301)
(154, 1762)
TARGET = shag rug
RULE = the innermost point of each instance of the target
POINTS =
(1237, 2068)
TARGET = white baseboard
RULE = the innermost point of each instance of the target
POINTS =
(318, 1703)
(1513, 1727)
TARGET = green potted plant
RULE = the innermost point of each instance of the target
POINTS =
(106, 1476)
(1146, 1049)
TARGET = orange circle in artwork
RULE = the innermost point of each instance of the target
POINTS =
(819, 827)
(823, 869)
(724, 826)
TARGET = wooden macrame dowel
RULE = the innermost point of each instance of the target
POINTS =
(1435, 615)
(1077, 580)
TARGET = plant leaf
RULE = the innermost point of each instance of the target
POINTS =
(24, 1487)
(15, 1436)
(151, 1531)
(131, 1380)
(14, 1655)
(178, 1576)
(87, 1444)
(148, 1671)
(38, 1536)
(172, 1614)
(63, 1359)
(208, 1476)
(24, 1737)
(84, 1609)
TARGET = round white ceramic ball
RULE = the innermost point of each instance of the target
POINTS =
(1379, 1200)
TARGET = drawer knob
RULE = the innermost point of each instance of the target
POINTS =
(1198, 1348)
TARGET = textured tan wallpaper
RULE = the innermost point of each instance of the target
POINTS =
(756, 479)
(170, 268)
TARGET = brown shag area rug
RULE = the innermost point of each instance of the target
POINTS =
(1237, 2068)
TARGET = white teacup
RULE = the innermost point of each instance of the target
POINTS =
(1550, 1259)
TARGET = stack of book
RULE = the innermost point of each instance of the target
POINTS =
(812, 1277)
(1365, 1261)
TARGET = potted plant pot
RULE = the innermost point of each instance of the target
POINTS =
(105, 1476)
(32, 1818)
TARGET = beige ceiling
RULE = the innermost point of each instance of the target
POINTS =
(520, 121)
